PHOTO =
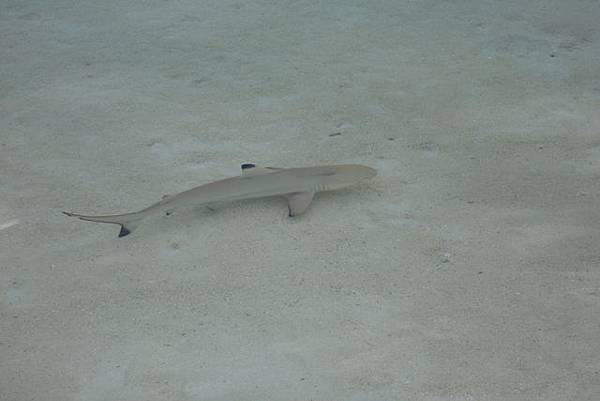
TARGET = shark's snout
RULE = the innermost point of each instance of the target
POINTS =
(359, 172)
(350, 174)
(368, 172)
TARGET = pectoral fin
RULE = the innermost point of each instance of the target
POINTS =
(298, 202)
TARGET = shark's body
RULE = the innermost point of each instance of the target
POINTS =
(298, 185)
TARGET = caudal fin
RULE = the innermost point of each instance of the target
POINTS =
(128, 221)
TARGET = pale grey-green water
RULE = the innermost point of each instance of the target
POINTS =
(468, 269)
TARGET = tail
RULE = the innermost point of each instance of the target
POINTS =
(127, 221)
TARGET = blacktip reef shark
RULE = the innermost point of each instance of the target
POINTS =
(298, 185)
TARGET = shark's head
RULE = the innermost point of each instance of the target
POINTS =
(355, 172)
(334, 177)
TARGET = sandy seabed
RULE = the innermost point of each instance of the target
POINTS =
(468, 269)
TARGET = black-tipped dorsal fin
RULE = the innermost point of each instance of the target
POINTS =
(298, 202)
(250, 169)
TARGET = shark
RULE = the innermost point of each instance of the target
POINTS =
(298, 185)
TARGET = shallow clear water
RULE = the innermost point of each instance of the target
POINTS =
(467, 269)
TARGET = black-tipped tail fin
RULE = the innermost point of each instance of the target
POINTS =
(128, 221)
(124, 231)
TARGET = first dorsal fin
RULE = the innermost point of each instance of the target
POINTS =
(250, 169)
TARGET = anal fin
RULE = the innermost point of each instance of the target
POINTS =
(298, 202)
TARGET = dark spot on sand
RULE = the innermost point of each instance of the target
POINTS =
(336, 134)
(426, 146)
(199, 82)
(30, 16)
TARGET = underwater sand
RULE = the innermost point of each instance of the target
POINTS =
(468, 269)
